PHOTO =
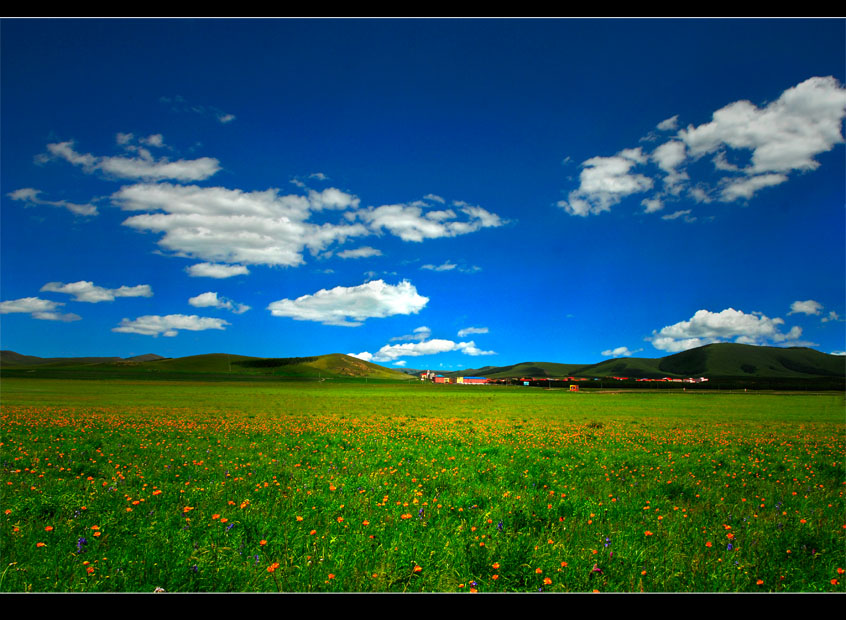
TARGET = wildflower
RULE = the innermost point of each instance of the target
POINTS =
(834, 582)
(262, 542)
(495, 566)
(80, 544)
(494, 577)
(90, 570)
(647, 533)
(273, 567)
(331, 575)
(40, 544)
(538, 571)
(596, 569)
(708, 544)
(547, 581)
(760, 582)
(299, 518)
(417, 568)
(49, 528)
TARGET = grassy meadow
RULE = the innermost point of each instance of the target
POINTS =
(130, 486)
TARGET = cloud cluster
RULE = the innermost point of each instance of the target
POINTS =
(782, 138)
(43, 309)
(422, 345)
(90, 293)
(391, 352)
(351, 306)
(211, 299)
(170, 325)
(707, 327)
(223, 225)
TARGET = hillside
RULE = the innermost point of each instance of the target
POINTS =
(211, 365)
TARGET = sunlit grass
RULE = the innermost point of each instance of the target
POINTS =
(118, 486)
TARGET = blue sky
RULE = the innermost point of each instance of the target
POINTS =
(427, 193)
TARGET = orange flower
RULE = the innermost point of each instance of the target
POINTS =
(262, 542)
(547, 581)
(299, 518)
(340, 519)
(834, 582)
(494, 577)
(647, 533)
(564, 564)
(331, 576)
(41, 544)
(760, 582)
(840, 571)
(312, 532)
(708, 544)
(365, 522)
(273, 567)
(49, 528)
(538, 571)
(495, 565)
(90, 570)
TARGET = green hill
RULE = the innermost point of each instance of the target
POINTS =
(212, 365)
(738, 360)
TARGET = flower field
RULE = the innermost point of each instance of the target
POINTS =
(120, 486)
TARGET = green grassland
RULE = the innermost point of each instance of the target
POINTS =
(335, 486)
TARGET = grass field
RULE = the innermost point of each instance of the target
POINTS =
(121, 486)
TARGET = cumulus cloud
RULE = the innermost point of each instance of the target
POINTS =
(707, 327)
(805, 307)
(351, 306)
(141, 166)
(169, 325)
(212, 270)
(779, 139)
(605, 181)
(217, 224)
(30, 196)
(43, 309)
(90, 293)
(211, 299)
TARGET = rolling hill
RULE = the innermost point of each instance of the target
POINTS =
(723, 360)
(211, 365)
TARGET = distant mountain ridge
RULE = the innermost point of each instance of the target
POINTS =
(713, 360)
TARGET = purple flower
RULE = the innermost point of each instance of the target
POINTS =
(80, 544)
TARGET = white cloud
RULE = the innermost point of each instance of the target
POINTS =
(211, 270)
(211, 299)
(420, 333)
(605, 181)
(472, 330)
(43, 309)
(832, 316)
(805, 307)
(351, 306)
(780, 138)
(231, 226)
(170, 325)
(362, 252)
(669, 124)
(707, 327)
(89, 292)
(784, 136)
(141, 167)
(391, 352)
(410, 222)
(446, 266)
(30, 195)
(685, 213)
(619, 352)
